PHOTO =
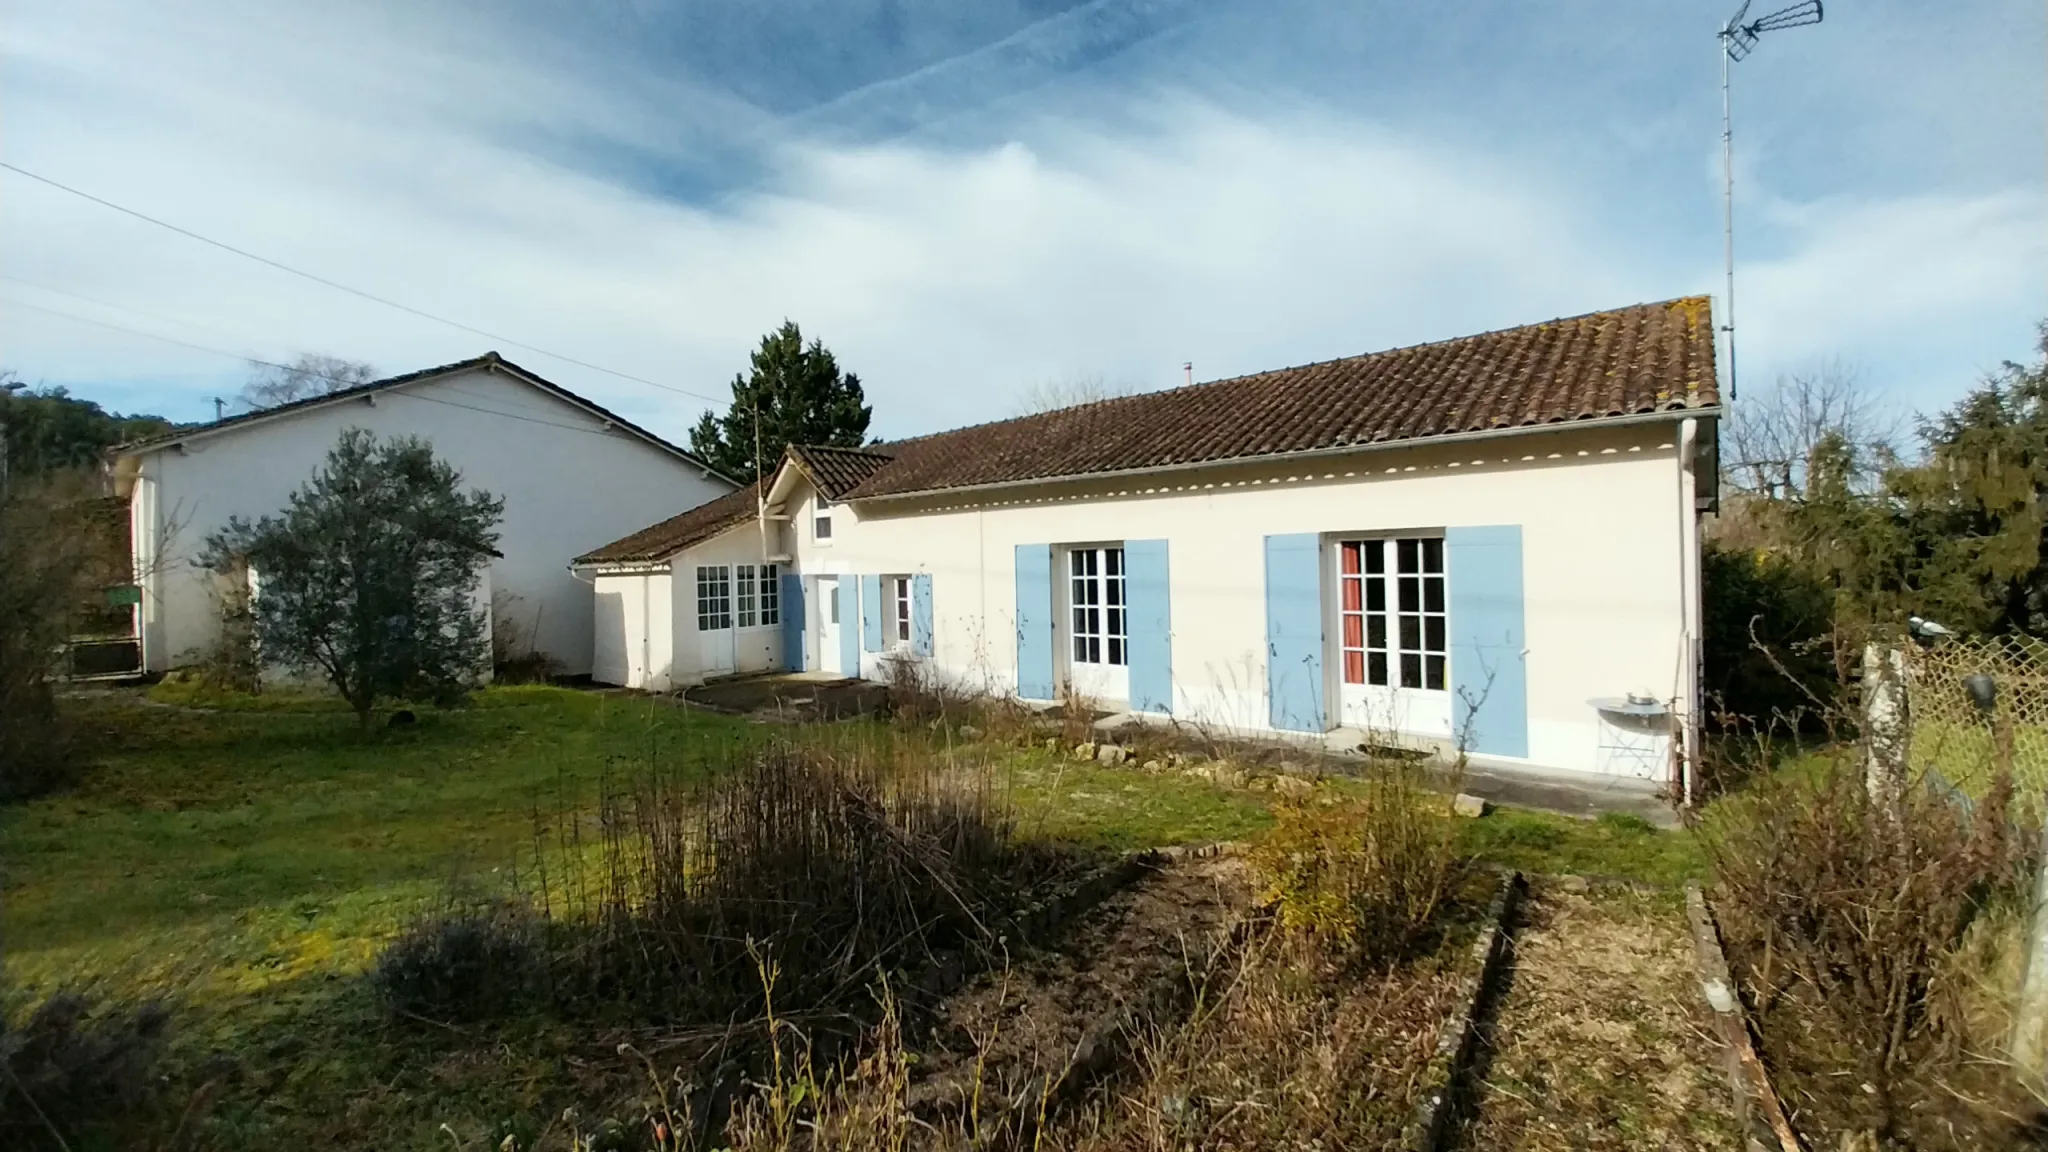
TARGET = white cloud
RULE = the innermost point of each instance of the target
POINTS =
(951, 279)
(1922, 292)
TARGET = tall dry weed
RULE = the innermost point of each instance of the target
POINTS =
(1842, 913)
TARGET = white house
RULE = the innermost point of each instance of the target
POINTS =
(572, 475)
(1490, 541)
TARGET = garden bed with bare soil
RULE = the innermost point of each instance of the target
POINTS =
(1176, 1013)
(1053, 1018)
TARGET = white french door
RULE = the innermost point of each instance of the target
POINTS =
(1392, 637)
(715, 639)
(1098, 629)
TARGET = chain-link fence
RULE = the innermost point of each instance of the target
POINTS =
(1955, 733)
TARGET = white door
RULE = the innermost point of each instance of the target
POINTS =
(715, 638)
(828, 624)
(1098, 662)
(1393, 658)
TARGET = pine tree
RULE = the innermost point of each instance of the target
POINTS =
(801, 396)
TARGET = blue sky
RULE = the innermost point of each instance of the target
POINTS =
(968, 199)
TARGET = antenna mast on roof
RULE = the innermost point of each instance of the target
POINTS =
(1738, 37)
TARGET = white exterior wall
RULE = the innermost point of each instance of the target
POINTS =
(1603, 517)
(635, 637)
(567, 490)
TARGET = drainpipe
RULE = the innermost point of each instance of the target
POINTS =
(1689, 596)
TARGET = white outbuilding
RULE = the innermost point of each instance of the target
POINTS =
(571, 473)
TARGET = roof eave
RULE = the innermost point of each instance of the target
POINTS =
(667, 555)
(1660, 416)
(488, 362)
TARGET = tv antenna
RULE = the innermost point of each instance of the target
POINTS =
(1738, 38)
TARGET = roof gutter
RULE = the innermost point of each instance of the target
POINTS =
(1667, 416)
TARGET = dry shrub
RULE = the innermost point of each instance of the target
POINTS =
(467, 963)
(918, 696)
(837, 863)
(860, 1107)
(1369, 874)
(70, 1069)
(1842, 914)
(1293, 1048)
(1076, 714)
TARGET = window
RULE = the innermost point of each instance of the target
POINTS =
(743, 580)
(832, 603)
(1393, 612)
(771, 595)
(1095, 597)
(821, 527)
(900, 589)
(714, 597)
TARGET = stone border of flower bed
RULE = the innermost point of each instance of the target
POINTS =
(1757, 1108)
(1436, 1117)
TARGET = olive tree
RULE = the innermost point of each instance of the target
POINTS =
(368, 575)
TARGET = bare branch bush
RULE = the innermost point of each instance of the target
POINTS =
(308, 375)
(1772, 437)
(1843, 915)
(1071, 391)
(62, 546)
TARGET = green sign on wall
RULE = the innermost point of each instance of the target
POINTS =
(124, 595)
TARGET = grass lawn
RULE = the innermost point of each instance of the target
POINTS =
(248, 860)
(256, 844)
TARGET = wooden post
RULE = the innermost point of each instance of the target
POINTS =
(1887, 724)
(2030, 1018)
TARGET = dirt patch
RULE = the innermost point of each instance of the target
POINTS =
(1012, 1028)
(790, 699)
(1602, 1040)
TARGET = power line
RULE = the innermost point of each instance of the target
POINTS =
(157, 316)
(288, 368)
(185, 323)
(338, 286)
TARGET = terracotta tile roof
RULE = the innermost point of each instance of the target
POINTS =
(836, 471)
(657, 543)
(1631, 361)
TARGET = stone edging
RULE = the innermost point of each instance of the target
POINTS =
(1436, 1116)
(1757, 1109)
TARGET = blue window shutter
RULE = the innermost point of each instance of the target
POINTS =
(1148, 622)
(792, 622)
(849, 621)
(1034, 621)
(921, 614)
(1489, 674)
(1294, 632)
(871, 613)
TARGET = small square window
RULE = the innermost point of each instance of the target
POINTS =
(821, 527)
